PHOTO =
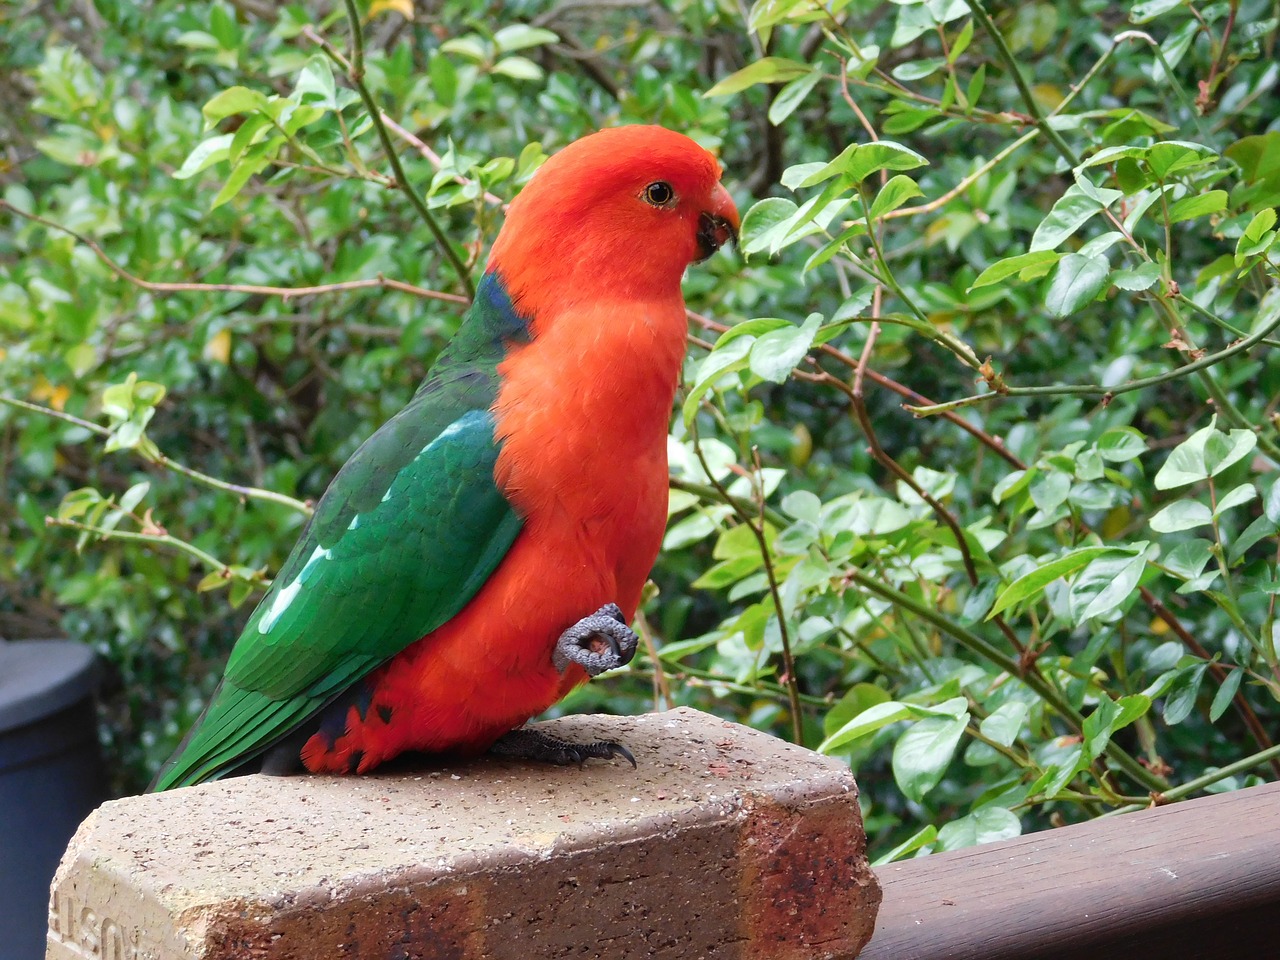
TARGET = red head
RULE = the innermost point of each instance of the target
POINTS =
(620, 214)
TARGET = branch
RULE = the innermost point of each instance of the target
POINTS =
(995, 445)
(1207, 780)
(246, 493)
(355, 73)
(285, 293)
(1096, 390)
(1028, 98)
(788, 661)
(162, 540)
(434, 158)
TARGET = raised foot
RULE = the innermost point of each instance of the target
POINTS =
(533, 745)
(596, 643)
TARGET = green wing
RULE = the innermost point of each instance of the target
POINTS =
(410, 528)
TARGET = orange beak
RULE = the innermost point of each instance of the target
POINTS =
(718, 224)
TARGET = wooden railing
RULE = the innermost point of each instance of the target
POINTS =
(1197, 879)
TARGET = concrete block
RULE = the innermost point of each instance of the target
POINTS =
(725, 843)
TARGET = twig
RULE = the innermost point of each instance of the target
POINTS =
(248, 493)
(434, 158)
(1015, 71)
(355, 73)
(1242, 705)
(162, 540)
(1207, 780)
(889, 383)
(1096, 390)
(788, 661)
(286, 293)
(662, 699)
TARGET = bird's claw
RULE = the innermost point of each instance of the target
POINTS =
(596, 643)
(533, 745)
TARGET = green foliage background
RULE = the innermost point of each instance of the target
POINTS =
(1042, 591)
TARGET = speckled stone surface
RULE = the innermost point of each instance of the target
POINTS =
(724, 843)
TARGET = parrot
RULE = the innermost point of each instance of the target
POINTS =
(485, 550)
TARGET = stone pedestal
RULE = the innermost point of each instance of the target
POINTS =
(725, 843)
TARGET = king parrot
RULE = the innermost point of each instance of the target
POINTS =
(483, 552)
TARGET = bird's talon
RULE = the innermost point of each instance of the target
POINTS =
(597, 643)
(533, 745)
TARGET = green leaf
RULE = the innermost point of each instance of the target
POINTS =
(1032, 584)
(316, 80)
(766, 70)
(1142, 277)
(1120, 444)
(961, 42)
(1188, 558)
(913, 843)
(1241, 494)
(775, 354)
(518, 68)
(1186, 462)
(1199, 205)
(762, 220)
(857, 699)
(918, 69)
(1077, 281)
(791, 96)
(894, 194)
(976, 85)
(1061, 773)
(444, 79)
(867, 722)
(1221, 452)
(1226, 693)
(720, 361)
(521, 36)
(1174, 156)
(986, 825)
(1271, 505)
(1105, 584)
(1003, 269)
(1258, 227)
(882, 714)
(1011, 484)
(1261, 528)
(205, 155)
(1072, 211)
(76, 503)
(922, 753)
(859, 160)
(1050, 491)
(252, 162)
(1180, 699)
(134, 496)
(1005, 723)
(1113, 155)
(1148, 10)
(468, 47)
(1110, 717)
(253, 130)
(1206, 453)
(1181, 515)
(231, 102)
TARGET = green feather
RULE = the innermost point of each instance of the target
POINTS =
(408, 531)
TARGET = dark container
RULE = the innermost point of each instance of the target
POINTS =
(51, 777)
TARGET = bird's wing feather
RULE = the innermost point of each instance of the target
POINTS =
(406, 534)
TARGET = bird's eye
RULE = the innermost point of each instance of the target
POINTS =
(659, 193)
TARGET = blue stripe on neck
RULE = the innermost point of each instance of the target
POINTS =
(496, 313)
